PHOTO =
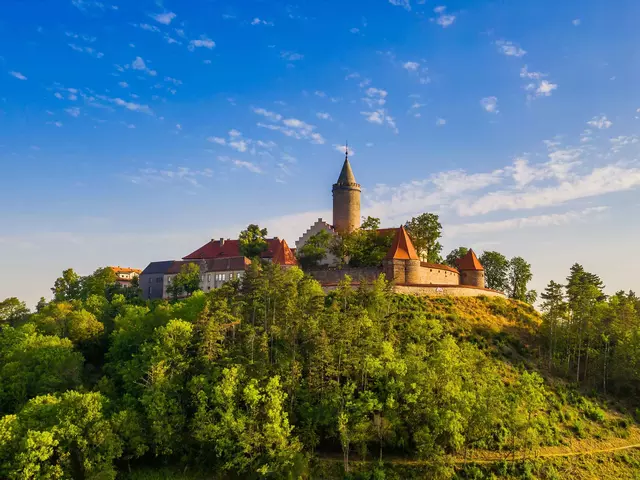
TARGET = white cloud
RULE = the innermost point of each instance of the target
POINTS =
(123, 84)
(545, 88)
(343, 149)
(401, 3)
(218, 140)
(17, 75)
(175, 81)
(443, 19)
(202, 42)
(73, 111)
(180, 174)
(576, 22)
(600, 181)
(411, 66)
(490, 104)
(139, 64)
(601, 122)
(319, 93)
(134, 107)
(441, 122)
(252, 167)
(375, 96)
(257, 21)
(239, 145)
(510, 49)
(555, 219)
(268, 145)
(525, 73)
(323, 116)
(291, 56)
(275, 117)
(380, 117)
(88, 50)
(164, 18)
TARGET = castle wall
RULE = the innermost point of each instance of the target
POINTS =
(346, 208)
(335, 275)
(432, 274)
(458, 291)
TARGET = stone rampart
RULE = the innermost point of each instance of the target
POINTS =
(335, 275)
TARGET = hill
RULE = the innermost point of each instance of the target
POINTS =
(271, 377)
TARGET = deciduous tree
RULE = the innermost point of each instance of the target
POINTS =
(425, 230)
(253, 241)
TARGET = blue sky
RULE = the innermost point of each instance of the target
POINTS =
(136, 131)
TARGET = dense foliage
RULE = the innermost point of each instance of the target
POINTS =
(261, 377)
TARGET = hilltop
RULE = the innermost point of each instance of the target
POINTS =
(272, 377)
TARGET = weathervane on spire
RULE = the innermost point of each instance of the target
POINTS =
(346, 150)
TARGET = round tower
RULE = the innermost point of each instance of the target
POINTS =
(471, 270)
(346, 200)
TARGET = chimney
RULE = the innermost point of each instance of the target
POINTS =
(221, 242)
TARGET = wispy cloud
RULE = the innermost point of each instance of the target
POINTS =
(73, 111)
(537, 221)
(139, 64)
(170, 175)
(202, 42)
(444, 19)
(258, 21)
(490, 104)
(17, 75)
(510, 49)
(601, 122)
(252, 167)
(164, 18)
(539, 87)
(343, 149)
(291, 56)
(323, 116)
(411, 66)
(91, 51)
(440, 122)
(275, 117)
(401, 3)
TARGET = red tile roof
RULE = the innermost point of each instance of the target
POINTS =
(283, 255)
(125, 270)
(402, 248)
(229, 248)
(469, 262)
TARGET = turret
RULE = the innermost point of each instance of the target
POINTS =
(346, 200)
(402, 264)
(471, 271)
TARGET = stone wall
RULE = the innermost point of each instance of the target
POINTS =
(335, 275)
(456, 291)
(438, 276)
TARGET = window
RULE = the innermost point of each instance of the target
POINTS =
(224, 276)
(150, 279)
(150, 288)
(208, 277)
(168, 279)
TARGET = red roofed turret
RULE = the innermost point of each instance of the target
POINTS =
(471, 271)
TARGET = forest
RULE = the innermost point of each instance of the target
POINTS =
(271, 377)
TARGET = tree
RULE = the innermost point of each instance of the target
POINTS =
(455, 255)
(98, 282)
(425, 230)
(64, 436)
(33, 364)
(253, 241)
(519, 277)
(185, 282)
(12, 311)
(554, 310)
(314, 250)
(365, 247)
(67, 287)
(496, 268)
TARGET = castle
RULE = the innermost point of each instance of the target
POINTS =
(221, 261)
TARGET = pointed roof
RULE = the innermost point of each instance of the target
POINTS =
(283, 255)
(346, 175)
(469, 262)
(402, 248)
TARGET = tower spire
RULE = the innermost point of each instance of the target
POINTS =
(346, 150)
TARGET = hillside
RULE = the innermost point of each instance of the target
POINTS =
(272, 378)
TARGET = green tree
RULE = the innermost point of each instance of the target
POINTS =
(185, 282)
(68, 286)
(253, 241)
(365, 247)
(314, 250)
(32, 364)
(425, 230)
(98, 282)
(554, 310)
(496, 268)
(12, 311)
(59, 437)
(455, 255)
(519, 277)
